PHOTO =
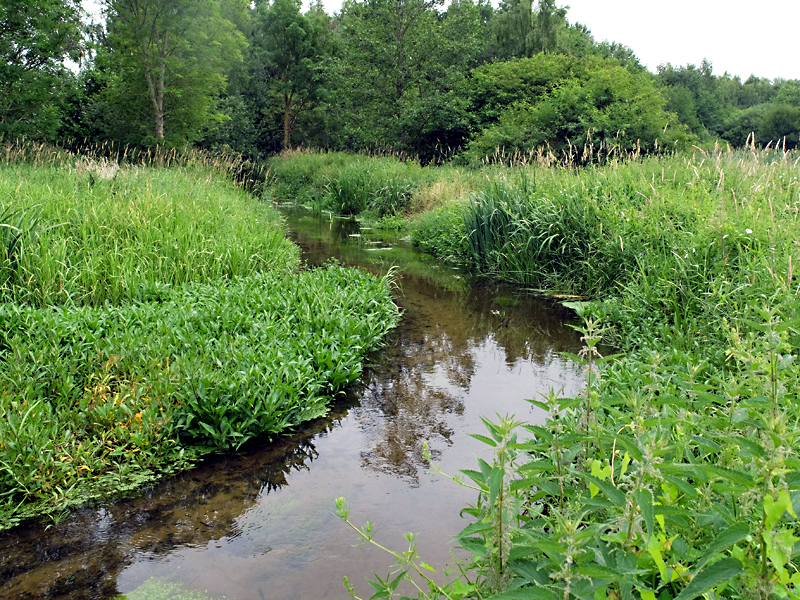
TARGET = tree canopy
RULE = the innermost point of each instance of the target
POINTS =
(36, 37)
(408, 76)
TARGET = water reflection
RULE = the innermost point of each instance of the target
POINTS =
(261, 525)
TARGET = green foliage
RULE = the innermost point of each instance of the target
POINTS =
(122, 230)
(397, 60)
(561, 102)
(35, 38)
(289, 51)
(89, 393)
(161, 319)
(676, 474)
(345, 184)
(169, 61)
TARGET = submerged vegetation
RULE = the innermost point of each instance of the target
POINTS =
(151, 315)
(676, 474)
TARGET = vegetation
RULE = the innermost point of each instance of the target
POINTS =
(149, 315)
(676, 473)
(403, 76)
(153, 316)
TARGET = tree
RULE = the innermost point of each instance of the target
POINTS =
(398, 62)
(560, 101)
(36, 36)
(522, 29)
(178, 51)
(289, 50)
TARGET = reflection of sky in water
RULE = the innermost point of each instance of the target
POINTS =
(262, 525)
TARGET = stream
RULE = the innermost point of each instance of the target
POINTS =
(262, 525)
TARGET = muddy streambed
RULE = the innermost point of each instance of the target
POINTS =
(262, 525)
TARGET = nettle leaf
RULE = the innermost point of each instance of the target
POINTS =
(529, 593)
(476, 476)
(723, 541)
(601, 473)
(495, 484)
(615, 495)
(774, 509)
(682, 484)
(595, 571)
(710, 577)
(484, 439)
(645, 501)
(475, 545)
(630, 445)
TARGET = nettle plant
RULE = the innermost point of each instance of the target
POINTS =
(668, 479)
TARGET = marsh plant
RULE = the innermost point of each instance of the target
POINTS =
(676, 474)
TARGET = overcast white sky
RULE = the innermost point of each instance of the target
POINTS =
(742, 38)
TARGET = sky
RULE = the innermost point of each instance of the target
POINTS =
(742, 38)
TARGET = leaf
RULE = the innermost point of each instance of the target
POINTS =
(529, 593)
(474, 545)
(613, 494)
(495, 484)
(484, 439)
(774, 509)
(645, 501)
(710, 577)
(630, 446)
(596, 571)
(539, 404)
(682, 485)
(724, 540)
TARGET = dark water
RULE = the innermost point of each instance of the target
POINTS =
(263, 525)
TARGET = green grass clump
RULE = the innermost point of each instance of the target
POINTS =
(355, 184)
(111, 238)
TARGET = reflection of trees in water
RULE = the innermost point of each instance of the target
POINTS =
(444, 331)
(82, 556)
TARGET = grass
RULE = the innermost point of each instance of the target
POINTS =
(149, 315)
(373, 187)
(676, 474)
(114, 237)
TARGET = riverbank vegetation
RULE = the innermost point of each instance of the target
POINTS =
(150, 315)
(676, 473)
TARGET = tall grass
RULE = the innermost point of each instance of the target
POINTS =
(117, 236)
(376, 185)
(676, 474)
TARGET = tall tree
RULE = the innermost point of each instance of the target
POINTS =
(36, 36)
(180, 49)
(289, 50)
(397, 58)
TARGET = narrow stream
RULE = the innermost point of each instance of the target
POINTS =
(262, 525)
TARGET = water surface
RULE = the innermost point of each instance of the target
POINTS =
(262, 525)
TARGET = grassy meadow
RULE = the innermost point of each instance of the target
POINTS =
(151, 314)
(676, 474)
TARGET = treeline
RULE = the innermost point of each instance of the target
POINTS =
(402, 76)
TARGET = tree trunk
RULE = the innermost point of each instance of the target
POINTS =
(287, 122)
(156, 90)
